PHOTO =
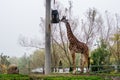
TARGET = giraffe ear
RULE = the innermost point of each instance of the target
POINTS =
(64, 17)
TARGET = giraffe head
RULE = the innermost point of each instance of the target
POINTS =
(64, 19)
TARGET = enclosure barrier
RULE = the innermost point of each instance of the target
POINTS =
(59, 69)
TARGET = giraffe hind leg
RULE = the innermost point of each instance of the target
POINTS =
(87, 62)
(82, 63)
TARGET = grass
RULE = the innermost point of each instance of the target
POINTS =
(14, 77)
(58, 76)
(66, 77)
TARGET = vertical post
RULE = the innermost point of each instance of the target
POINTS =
(48, 39)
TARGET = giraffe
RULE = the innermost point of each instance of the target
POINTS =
(75, 46)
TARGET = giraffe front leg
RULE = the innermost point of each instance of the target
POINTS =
(74, 65)
(85, 59)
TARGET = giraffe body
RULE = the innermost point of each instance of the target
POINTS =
(75, 46)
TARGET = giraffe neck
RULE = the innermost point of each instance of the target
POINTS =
(70, 34)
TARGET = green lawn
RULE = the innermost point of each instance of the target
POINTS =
(101, 76)
(67, 77)
(13, 77)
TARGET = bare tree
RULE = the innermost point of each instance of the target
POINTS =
(59, 39)
(114, 42)
(90, 26)
(30, 42)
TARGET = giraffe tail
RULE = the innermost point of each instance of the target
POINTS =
(88, 62)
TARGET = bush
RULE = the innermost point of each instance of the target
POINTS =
(13, 69)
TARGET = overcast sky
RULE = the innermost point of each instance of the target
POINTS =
(22, 17)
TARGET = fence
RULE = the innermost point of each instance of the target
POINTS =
(104, 68)
(92, 69)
